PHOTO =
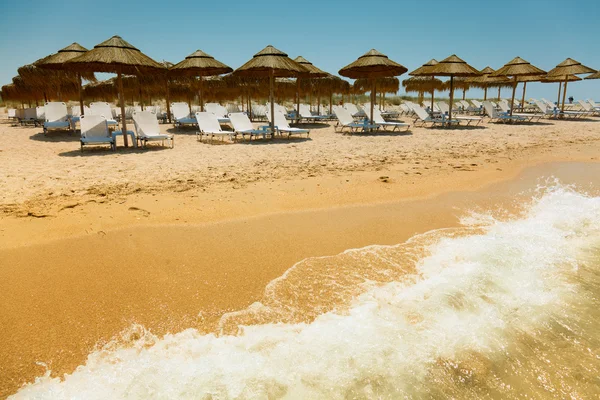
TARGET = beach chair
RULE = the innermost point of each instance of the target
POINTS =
(497, 116)
(181, 115)
(593, 104)
(258, 112)
(527, 116)
(56, 117)
(29, 116)
(148, 130)
(40, 115)
(346, 120)
(445, 110)
(423, 117)
(379, 120)
(588, 108)
(282, 125)
(353, 110)
(405, 109)
(103, 108)
(210, 126)
(307, 115)
(556, 112)
(242, 125)
(12, 113)
(218, 110)
(94, 131)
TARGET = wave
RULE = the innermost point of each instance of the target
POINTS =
(499, 307)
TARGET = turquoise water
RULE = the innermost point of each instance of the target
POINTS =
(502, 307)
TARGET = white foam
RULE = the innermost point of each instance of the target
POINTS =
(472, 294)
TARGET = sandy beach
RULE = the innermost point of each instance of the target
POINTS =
(94, 243)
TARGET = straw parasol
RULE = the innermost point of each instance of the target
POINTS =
(485, 81)
(373, 65)
(312, 72)
(453, 67)
(115, 55)
(200, 64)
(422, 85)
(518, 69)
(560, 80)
(57, 61)
(566, 68)
(594, 76)
(422, 71)
(271, 62)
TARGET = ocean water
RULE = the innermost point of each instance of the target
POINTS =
(505, 306)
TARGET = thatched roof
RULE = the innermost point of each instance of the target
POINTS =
(518, 67)
(114, 55)
(384, 85)
(424, 69)
(569, 67)
(313, 72)
(372, 64)
(451, 66)
(200, 64)
(270, 60)
(422, 84)
(485, 80)
(555, 79)
(594, 76)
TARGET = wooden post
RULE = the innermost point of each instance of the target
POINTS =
(499, 93)
(464, 94)
(432, 92)
(512, 101)
(451, 97)
(200, 95)
(330, 102)
(168, 101)
(80, 94)
(523, 98)
(271, 85)
(140, 93)
(564, 95)
(373, 97)
(559, 90)
(485, 93)
(298, 100)
(122, 101)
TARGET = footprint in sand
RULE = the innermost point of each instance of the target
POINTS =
(140, 211)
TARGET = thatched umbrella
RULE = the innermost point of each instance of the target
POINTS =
(485, 81)
(423, 71)
(452, 67)
(115, 55)
(312, 72)
(200, 64)
(517, 68)
(373, 65)
(57, 61)
(271, 63)
(422, 85)
(594, 76)
(559, 80)
(384, 85)
(566, 68)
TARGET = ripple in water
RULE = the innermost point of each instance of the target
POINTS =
(495, 309)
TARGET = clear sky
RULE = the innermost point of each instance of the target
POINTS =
(329, 33)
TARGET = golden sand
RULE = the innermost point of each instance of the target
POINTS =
(91, 244)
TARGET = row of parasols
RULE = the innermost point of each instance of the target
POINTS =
(65, 70)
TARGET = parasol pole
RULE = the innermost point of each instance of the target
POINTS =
(499, 93)
(271, 85)
(122, 101)
(559, 90)
(298, 100)
(485, 93)
(512, 102)
(432, 92)
(373, 97)
(168, 102)
(564, 94)
(200, 97)
(80, 94)
(523, 98)
(451, 97)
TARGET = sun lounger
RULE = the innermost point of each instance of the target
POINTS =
(210, 126)
(379, 120)
(218, 110)
(345, 120)
(103, 108)
(556, 112)
(423, 117)
(282, 125)
(444, 108)
(148, 130)
(242, 125)
(12, 113)
(593, 104)
(497, 116)
(528, 116)
(307, 115)
(353, 110)
(181, 115)
(259, 112)
(588, 108)
(94, 131)
(56, 116)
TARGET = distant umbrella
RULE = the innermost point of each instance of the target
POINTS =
(559, 80)
(312, 73)
(422, 85)
(115, 55)
(485, 81)
(424, 70)
(518, 69)
(57, 61)
(594, 76)
(373, 65)
(453, 67)
(566, 68)
(200, 64)
(271, 63)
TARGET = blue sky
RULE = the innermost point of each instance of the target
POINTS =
(330, 34)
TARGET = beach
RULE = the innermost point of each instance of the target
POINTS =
(100, 248)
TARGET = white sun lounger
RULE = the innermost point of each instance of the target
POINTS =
(210, 126)
(379, 120)
(56, 116)
(423, 117)
(148, 130)
(94, 131)
(345, 120)
(307, 115)
(103, 108)
(353, 110)
(444, 108)
(282, 125)
(242, 125)
(528, 116)
(218, 110)
(181, 115)
(588, 108)
(497, 116)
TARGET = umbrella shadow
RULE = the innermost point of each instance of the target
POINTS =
(56, 136)
(459, 127)
(184, 130)
(381, 133)
(96, 151)
(276, 140)
(311, 125)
